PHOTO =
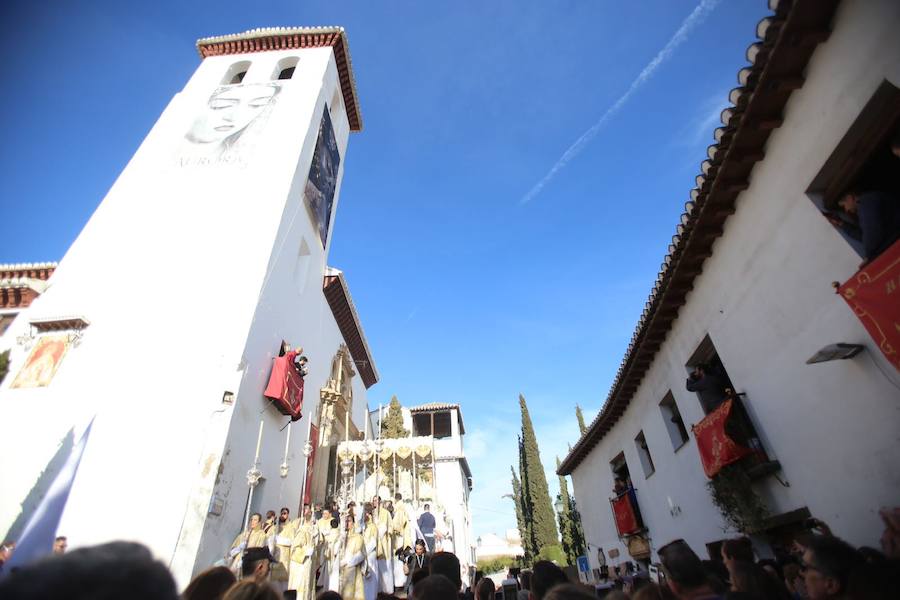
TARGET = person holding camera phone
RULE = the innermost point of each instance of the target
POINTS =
(413, 563)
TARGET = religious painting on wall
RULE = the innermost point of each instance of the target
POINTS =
(322, 180)
(42, 363)
(225, 131)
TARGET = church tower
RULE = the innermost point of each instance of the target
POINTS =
(163, 318)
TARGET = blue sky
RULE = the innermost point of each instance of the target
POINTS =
(473, 285)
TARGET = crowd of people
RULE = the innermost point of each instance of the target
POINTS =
(351, 557)
(359, 552)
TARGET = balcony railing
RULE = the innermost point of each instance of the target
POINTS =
(627, 513)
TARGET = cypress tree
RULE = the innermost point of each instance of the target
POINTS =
(528, 544)
(520, 518)
(543, 522)
(581, 426)
(4, 364)
(392, 425)
(569, 523)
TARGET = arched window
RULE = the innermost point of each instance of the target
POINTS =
(285, 68)
(236, 72)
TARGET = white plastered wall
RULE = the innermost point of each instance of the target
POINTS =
(765, 299)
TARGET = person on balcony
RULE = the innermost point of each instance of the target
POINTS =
(874, 220)
(712, 388)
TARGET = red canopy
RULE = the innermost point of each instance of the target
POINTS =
(285, 387)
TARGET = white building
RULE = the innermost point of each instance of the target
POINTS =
(746, 285)
(163, 319)
(428, 467)
(491, 545)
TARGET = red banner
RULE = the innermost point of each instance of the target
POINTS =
(874, 295)
(285, 387)
(314, 441)
(626, 519)
(716, 448)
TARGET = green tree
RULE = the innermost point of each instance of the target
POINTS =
(543, 522)
(520, 518)
(527, 533)
(4, 365)
(569, 523)
(581, 426)
(392, 427)
(392, 424)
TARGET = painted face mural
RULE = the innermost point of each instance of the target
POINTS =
(230, 111)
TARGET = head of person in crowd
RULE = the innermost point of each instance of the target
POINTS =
(285, 515)
(650, 591)
(793, 579)
(827, 564)
(349, 520)
(486, 589)
(426, 508)
(447, 564)
(871, 555)
(329, 595)
(685, 575)
(771, 566)
(754, 580)
(874, 581)
(420, 547)
(737, 549)
(376, 502)
(6, 550)
(717, 575)
(114, 570)
(211, 584)
(255, 564)
(435, 587)
(398, 497)
(252, 590)
(525, 580)
(255, 521)
(60, 544)
(545, 575)
(571, 591)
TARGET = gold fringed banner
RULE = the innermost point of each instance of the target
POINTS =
(403, 452)
(423, 451)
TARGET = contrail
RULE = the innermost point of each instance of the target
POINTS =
(692, 21)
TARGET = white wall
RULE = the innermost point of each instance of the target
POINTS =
(764, 297)
(187, 277)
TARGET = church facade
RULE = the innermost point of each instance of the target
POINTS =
(207, 259)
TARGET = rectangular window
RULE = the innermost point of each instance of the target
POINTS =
(621, 475)
(643, 450)
(422, 424)
(707, 376)
(673, 421)
(442, 424)
(863, 166)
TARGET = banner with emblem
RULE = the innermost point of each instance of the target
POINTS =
(874, 295)
(716, 447)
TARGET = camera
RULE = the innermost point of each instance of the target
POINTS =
(405, 554)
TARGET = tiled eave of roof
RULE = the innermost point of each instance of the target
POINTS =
(338, 295)
(778, 60)
(285, 38)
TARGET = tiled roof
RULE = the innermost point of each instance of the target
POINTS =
(433, 406)
(787, 39)
(284, 38)
(338, 295)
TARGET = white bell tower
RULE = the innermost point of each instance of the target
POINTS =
(209, 249)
